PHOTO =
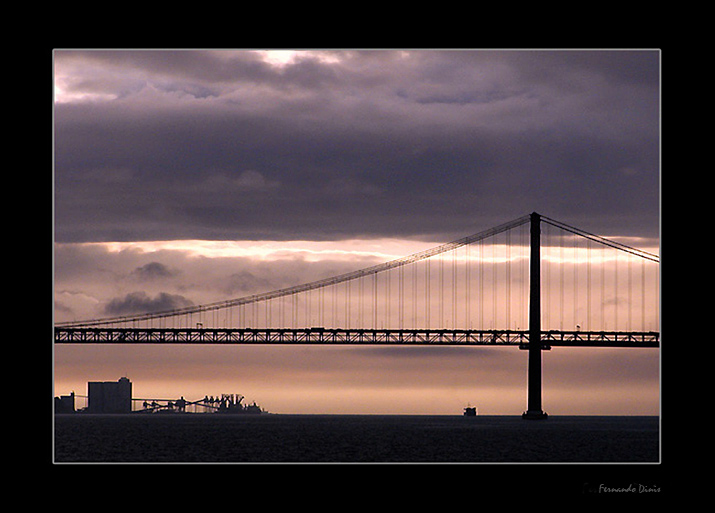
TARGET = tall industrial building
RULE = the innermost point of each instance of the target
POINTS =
(110, 396)
(64, 403)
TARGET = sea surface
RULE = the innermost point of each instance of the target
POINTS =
(274, 438)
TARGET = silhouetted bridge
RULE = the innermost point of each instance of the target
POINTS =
(355, 336)
(606, 291)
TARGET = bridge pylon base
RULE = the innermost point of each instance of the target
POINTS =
(534, 415)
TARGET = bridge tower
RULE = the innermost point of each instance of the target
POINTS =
(534, 411)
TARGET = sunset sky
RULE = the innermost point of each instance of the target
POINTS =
(188, 177)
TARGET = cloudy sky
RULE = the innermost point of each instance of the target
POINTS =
(185, 177)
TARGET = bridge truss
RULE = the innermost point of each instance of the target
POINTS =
(94, 335)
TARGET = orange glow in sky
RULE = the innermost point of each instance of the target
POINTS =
(318, 379)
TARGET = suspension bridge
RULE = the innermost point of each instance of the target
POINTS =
(533, 282)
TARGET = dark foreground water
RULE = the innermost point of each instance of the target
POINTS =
(353, 438)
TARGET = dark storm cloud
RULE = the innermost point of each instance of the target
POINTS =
(223, 145)
(140, 302)
(153, 271)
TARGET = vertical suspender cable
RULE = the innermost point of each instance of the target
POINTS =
(588, 284)
(603, 288)
(523, 275)
(334, 320)
(361, 286)
(643, 327)
(467, 289)
(414, 297)
(615, 288)
(388, 308)
(481, 285)
(454, 288)
(348, 295)
(374, 301)
(575, 282)
(401, 289)
(561, 279)
(427, 294)
(546, 273)
(441, 293)
(494, 284)
(630, 289)
(508, 279)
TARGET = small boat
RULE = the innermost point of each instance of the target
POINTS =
(470, 411)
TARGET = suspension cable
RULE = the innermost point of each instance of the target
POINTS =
(602, 240)
(373, 270)
(307, 286)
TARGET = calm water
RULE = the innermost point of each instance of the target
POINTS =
(353, 438)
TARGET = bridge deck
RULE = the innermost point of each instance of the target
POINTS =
(93, 335)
